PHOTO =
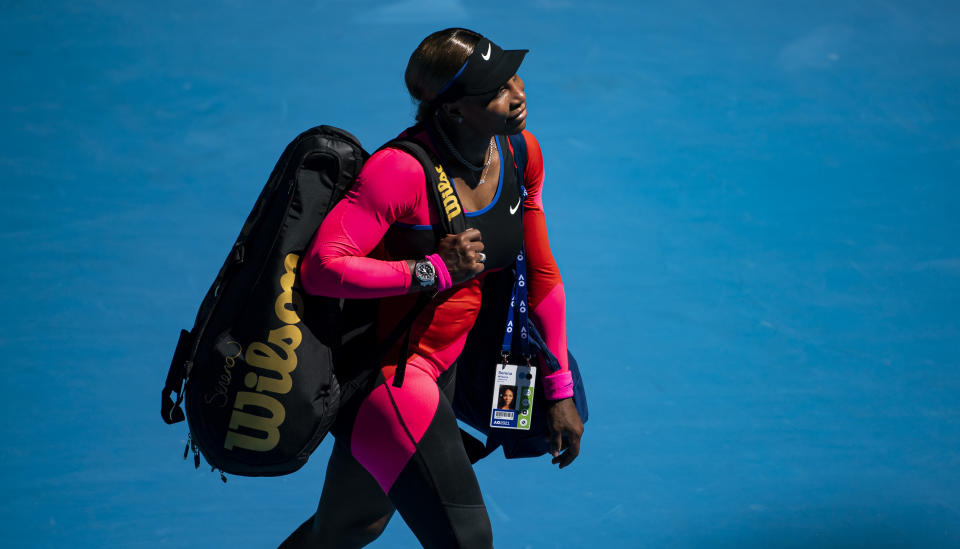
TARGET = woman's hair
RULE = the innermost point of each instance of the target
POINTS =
(434, 63)
(502, 399)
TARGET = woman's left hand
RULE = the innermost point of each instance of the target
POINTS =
(565, 431)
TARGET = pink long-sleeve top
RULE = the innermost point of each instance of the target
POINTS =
(350, 258)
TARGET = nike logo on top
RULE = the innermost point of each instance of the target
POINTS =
(486, 57)
(513, 209)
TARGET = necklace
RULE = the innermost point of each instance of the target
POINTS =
(456, 154)
(483, 174)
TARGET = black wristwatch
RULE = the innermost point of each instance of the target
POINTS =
(424, 273)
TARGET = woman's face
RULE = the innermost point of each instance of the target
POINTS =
(507, 397)
(503, 111)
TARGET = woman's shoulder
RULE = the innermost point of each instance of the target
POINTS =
(391, 178)
(533, 176)
(533, 146)
(394, 162)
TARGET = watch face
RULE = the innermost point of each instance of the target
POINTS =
(425, 273)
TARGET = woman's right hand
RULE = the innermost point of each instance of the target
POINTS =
(462, 254)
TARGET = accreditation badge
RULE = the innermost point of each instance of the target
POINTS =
(512, 406)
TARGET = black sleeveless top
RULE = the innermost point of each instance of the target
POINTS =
(499, 223)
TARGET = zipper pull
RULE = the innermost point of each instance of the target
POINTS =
(223, 477)
(196, 454)
(186, 449)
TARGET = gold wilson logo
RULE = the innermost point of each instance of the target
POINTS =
(450, 202)
(274, 376)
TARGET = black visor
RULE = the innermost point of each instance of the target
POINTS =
(487, 68)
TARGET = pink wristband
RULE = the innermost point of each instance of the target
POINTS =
(558, 385)
(444, 280)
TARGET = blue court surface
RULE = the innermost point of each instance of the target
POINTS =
(754, 205)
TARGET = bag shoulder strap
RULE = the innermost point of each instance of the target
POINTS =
(170, 409)
(443, 191)
(519, 146)
(452, 221)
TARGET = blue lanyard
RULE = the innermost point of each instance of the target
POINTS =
(518, 311)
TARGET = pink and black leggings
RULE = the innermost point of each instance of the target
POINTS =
(400, 448)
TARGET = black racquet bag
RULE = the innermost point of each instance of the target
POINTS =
(257, 372)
